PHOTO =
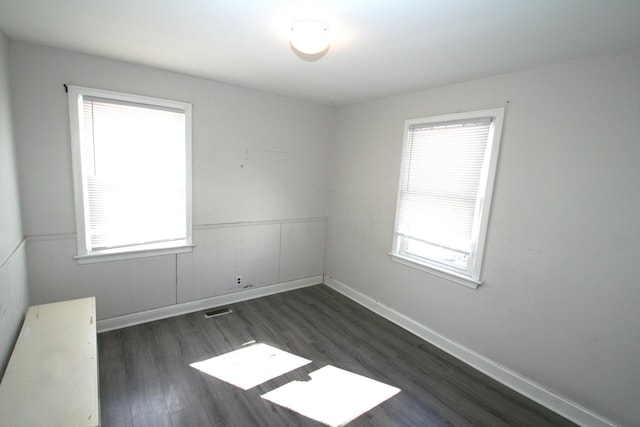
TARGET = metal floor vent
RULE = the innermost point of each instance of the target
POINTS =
(216, 312)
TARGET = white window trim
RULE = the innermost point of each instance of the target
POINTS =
(473, 279)
(451, 276)
(75, 94)
(141, 251)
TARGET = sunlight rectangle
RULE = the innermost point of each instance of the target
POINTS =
(333, 396)
(250, 366)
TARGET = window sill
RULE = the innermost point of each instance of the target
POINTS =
(132, 252)
(443, 274)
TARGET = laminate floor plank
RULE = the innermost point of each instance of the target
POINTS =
(146, 380)
(192, 416)
(115, 409)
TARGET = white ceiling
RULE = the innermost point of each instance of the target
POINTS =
(379, 48)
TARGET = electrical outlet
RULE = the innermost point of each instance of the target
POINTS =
(238, 280)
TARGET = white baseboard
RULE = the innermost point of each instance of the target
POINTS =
(191, 306)
(545, 397)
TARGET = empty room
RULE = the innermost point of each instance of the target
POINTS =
(307, 213)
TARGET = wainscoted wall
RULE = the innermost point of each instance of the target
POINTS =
(262, 254)
(14, 298)
(260, 179)
(120, 287)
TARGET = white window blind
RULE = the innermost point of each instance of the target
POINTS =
(444, 174)
(134, 174)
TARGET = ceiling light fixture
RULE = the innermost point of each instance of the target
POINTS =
(309, 36)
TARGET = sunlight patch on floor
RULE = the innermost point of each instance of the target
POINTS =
(250, 366)
(333, 396)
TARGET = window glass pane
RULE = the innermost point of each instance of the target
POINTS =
(136, 169)
(440, 186)
(438, 254)
(444, 174)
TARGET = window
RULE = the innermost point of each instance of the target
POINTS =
(446, 179)
(132, 174)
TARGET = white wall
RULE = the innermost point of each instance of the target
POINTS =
(560, 300)
(260, 162)
(14, 298)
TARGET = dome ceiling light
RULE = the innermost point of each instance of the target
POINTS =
(310, 37)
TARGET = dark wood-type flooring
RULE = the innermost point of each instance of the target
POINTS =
(146, 380)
